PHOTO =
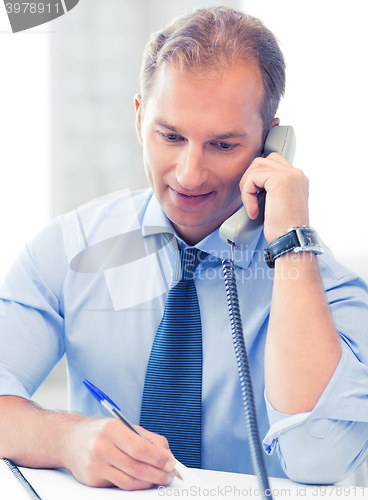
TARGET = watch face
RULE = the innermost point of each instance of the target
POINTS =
(308, 237)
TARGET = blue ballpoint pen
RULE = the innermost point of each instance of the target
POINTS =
(110, 406)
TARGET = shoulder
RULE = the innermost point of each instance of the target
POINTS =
(103, 218)
(93, 222)
(114, 204)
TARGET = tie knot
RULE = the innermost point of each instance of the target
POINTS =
(186, 260)
(189, 260)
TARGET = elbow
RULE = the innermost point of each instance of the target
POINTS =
(315, 460)
(309, 468)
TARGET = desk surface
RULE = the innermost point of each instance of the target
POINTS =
(60, 485)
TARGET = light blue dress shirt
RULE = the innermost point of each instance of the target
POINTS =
(91, 286)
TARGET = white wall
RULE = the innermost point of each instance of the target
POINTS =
(325, 46)
(25, 148)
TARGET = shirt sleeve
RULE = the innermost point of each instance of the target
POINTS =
(31, 314)
(329, 443)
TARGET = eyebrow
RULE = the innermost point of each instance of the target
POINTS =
(213, 137)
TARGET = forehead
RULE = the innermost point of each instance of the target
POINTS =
(230, 94)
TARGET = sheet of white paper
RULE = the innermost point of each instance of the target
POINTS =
(10, 487)
(61, 485)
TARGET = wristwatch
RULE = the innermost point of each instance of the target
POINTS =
(297, 239)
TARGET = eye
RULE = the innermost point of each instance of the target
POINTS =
(171, 137)
(225, 146)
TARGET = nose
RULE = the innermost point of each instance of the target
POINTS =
(191, 170)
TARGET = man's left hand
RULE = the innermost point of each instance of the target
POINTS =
(286, 194)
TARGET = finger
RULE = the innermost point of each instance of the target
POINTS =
(107, 475)
(274, 162)
(137, 448)
(153, 438)
(250, 202)
(140, 470)
(276, 157)
(265, 173)
(249, 190)
(128, 473)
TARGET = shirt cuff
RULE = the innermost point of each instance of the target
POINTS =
(344, 398)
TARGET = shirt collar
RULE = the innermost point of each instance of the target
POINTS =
(155, 221)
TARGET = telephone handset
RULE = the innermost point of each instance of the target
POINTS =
(239, 229)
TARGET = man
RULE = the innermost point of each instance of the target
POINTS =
(210, 87)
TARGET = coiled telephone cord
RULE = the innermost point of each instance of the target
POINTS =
(245, 379)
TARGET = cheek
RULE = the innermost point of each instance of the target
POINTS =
(157, 160)
(150, 154)
(232, 173)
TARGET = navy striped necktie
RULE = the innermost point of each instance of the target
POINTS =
(172, 394)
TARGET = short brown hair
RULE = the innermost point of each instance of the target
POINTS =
(214, 37)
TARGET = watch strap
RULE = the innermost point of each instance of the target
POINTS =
(280, 246)
(297, 239)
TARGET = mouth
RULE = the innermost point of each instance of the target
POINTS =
(192, 199)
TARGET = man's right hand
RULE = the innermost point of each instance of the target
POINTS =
(104, 452)
(98, 451)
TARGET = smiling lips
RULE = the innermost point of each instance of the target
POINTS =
(190, 199)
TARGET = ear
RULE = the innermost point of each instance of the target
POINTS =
(275, 122)
(138, 116)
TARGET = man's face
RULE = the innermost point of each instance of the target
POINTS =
(199, 133)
